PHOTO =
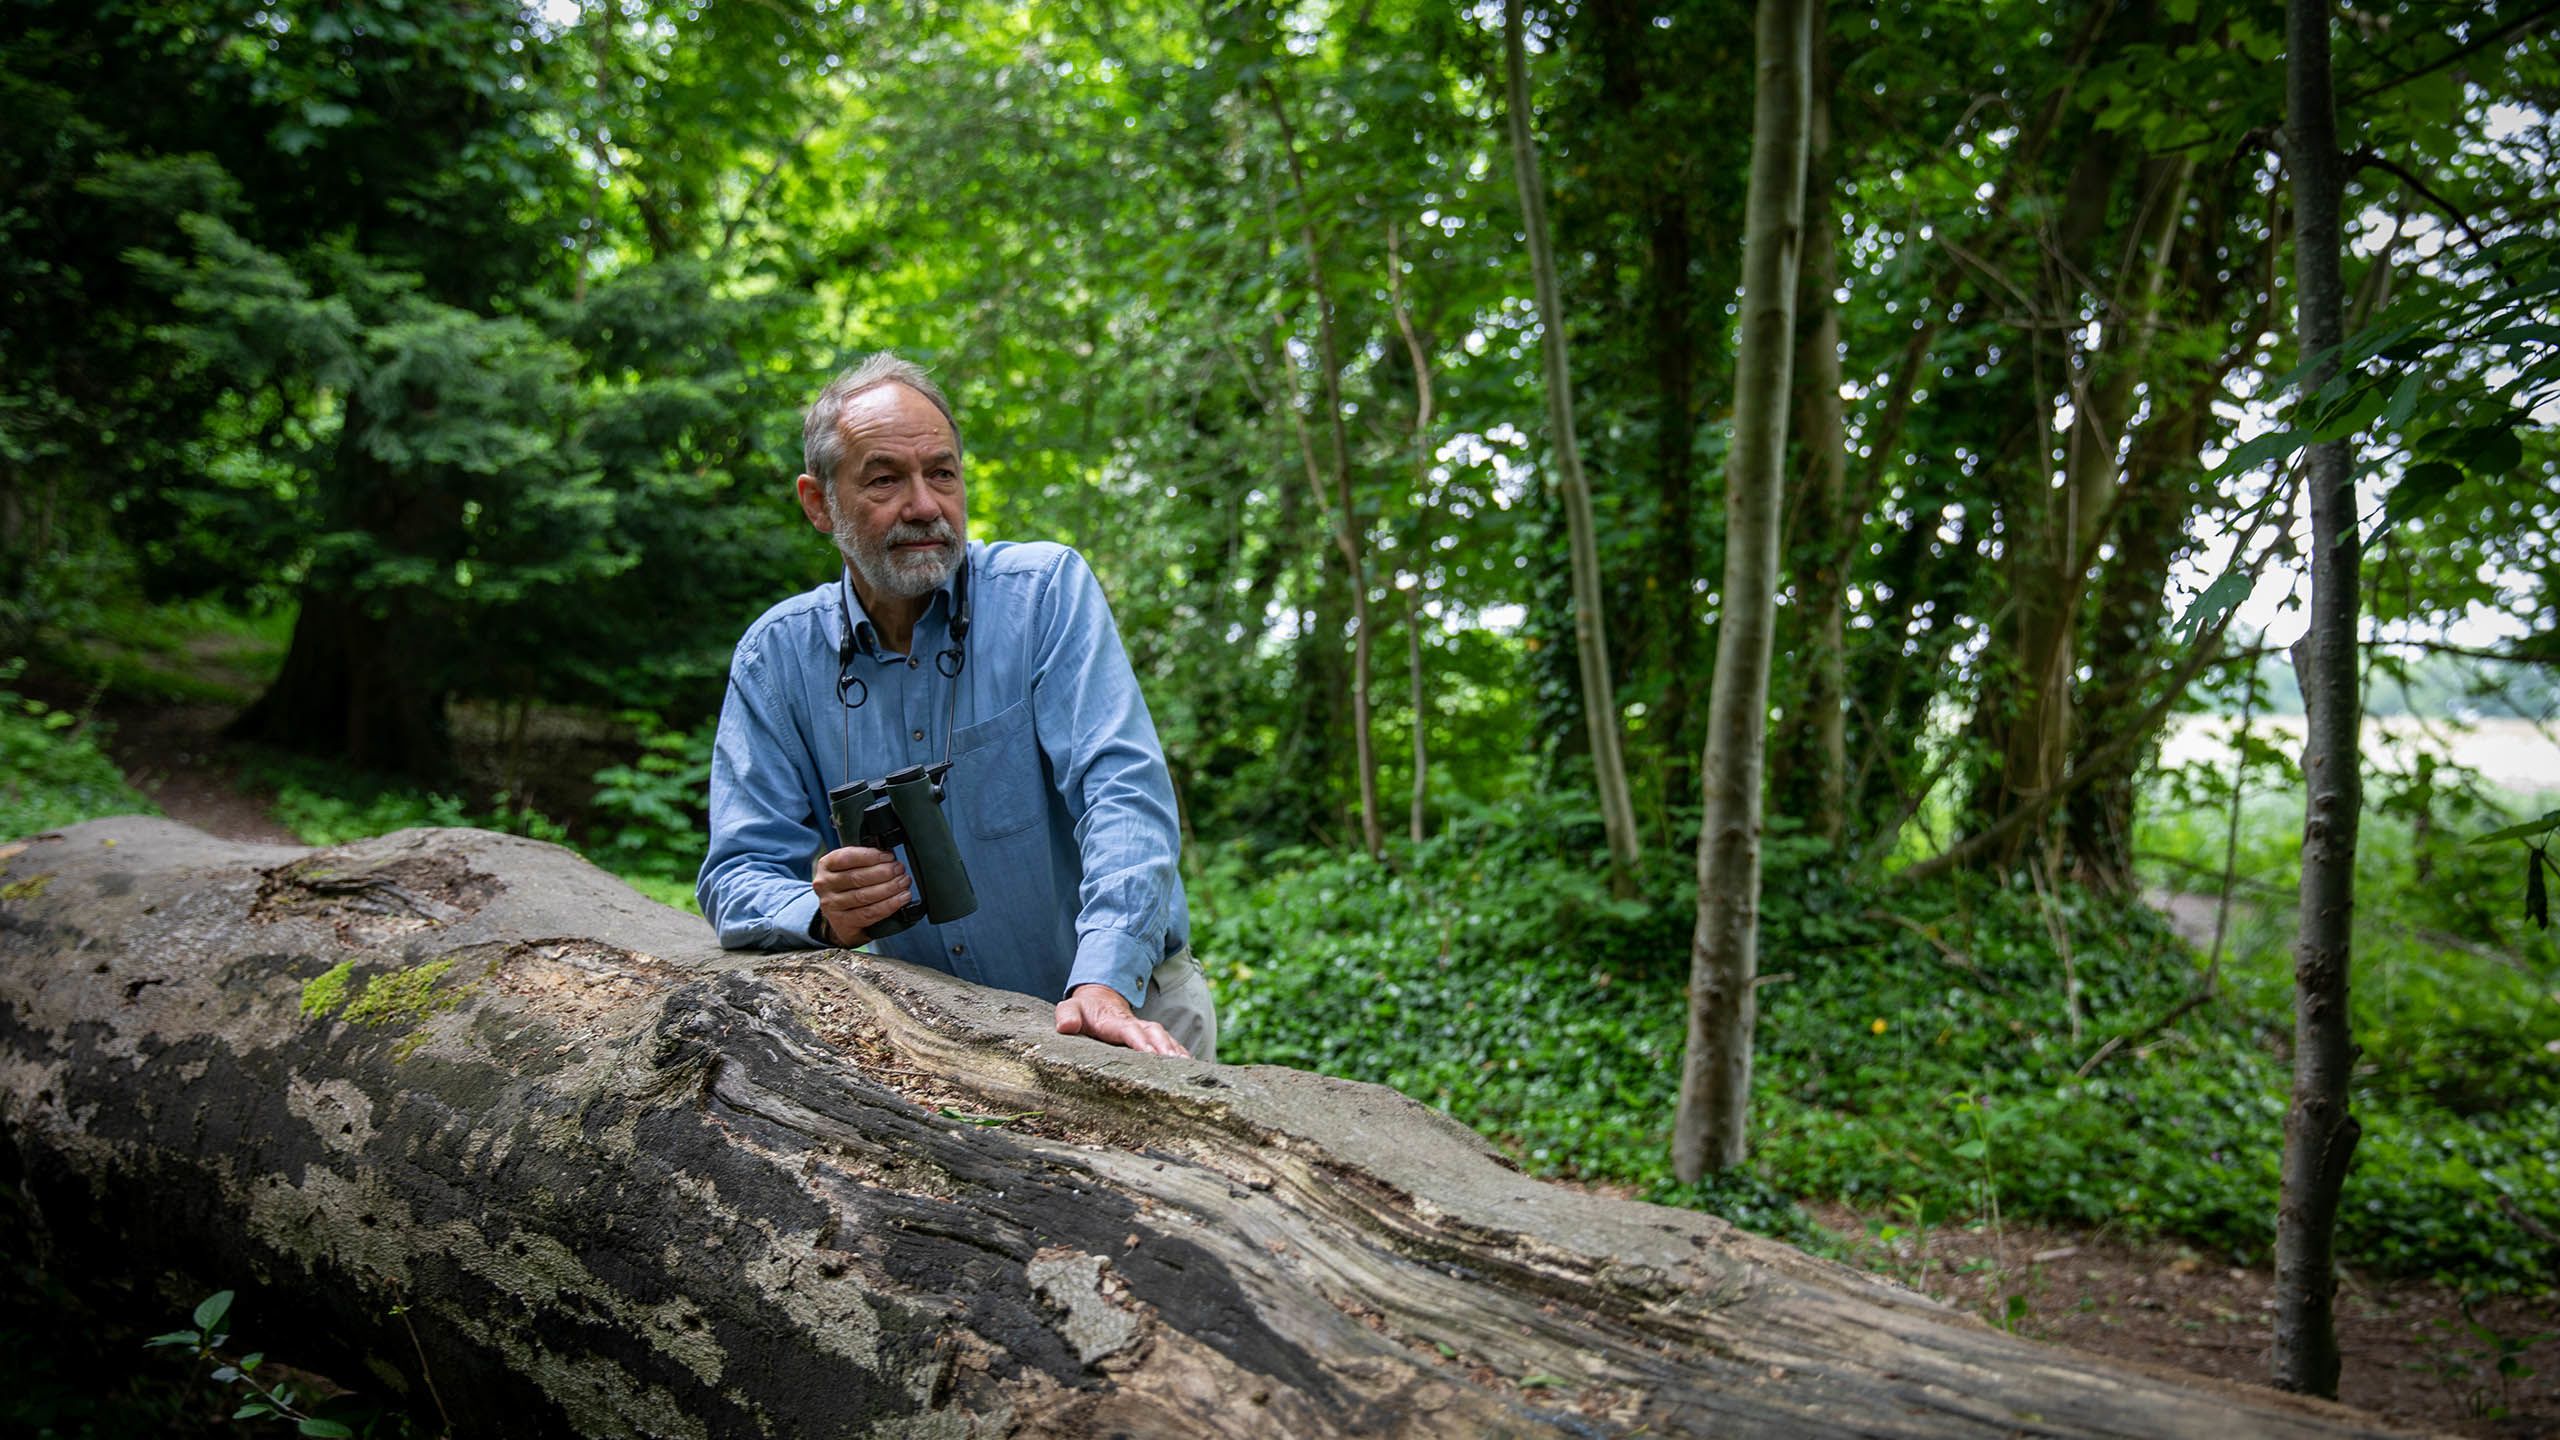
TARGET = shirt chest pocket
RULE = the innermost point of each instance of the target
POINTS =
(997, 781)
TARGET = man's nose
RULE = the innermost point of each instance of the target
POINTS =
(918, 502)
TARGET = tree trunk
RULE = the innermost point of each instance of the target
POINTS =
(1346, 519)
(364, 678)
(1421, 547)
(1712, 1130)
(355, 686)
(2065, 526)
(2319, 1134)
(625, 1184)
(1590, 637)
(1809, 763)
(1310, 752)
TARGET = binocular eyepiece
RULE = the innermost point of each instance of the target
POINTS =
(905, 809)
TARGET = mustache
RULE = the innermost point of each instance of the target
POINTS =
(911, 532)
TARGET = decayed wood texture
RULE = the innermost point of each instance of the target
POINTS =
(629, 1185)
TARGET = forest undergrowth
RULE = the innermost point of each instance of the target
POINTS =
(1948, 1052)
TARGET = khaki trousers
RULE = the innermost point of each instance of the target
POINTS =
(1179, 1000)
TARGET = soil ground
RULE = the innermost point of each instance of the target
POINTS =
(2413, 1353)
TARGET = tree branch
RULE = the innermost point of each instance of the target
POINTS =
(2368, 158)
(2522, 25)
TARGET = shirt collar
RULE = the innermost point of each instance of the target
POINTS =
(866, 636)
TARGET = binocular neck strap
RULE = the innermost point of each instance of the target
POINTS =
(852, 694)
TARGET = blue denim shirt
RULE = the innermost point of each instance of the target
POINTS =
(1058, 796)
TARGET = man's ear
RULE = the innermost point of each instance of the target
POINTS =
(813, 503)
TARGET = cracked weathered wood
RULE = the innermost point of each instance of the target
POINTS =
(628, 1184)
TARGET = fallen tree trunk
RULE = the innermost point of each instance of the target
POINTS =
(627, 1184)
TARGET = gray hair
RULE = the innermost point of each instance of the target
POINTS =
(822, 434)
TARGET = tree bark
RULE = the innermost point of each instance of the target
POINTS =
(1809, 762)
(1712, 1131)
(627, 1184)
(1590, 634)
(1420, 355)
(2319, 1135)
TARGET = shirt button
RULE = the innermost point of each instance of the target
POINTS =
(919, 734)
(911, 662)
(959, 949)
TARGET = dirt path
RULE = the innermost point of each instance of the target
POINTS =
(2412, 1352)
(174, 753)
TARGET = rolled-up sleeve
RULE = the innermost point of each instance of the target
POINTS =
(754, 883)
(1110, 772)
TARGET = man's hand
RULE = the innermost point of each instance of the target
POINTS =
(1101, 1012)
(858, 888)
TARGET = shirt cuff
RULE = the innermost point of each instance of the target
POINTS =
(791, 922)
(1116, 958)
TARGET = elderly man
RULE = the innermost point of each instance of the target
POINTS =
(1000, 657)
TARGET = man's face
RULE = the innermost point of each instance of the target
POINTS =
(896, 506)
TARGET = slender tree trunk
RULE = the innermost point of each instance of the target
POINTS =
(1318, 663)
(2319, 1134)
(1715, 1078)
(1346, 527)
(1591, 645)
(1810, 762)
(1421, 548)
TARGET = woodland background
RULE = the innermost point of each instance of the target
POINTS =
(411, 391)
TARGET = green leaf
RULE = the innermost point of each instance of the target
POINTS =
(1971, 1150)
(1544, 1381)
(210, 1314)
(188, 1338)
(2549, 821)
(250, 1362)
(2277, 445)
(2219, 599)
(2403, 403)
(324, 1428)
(253, 1410)
(2488, 451)
(2420, 487)
(2529, 334)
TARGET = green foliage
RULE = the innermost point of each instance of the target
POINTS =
(646, 826)
(1913, 1046)
(326, 804)
(650, 814)
(52, 772)
(263, 1397)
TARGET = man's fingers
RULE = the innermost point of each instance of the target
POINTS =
(1113, 1025)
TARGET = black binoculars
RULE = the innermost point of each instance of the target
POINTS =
(905, 809)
